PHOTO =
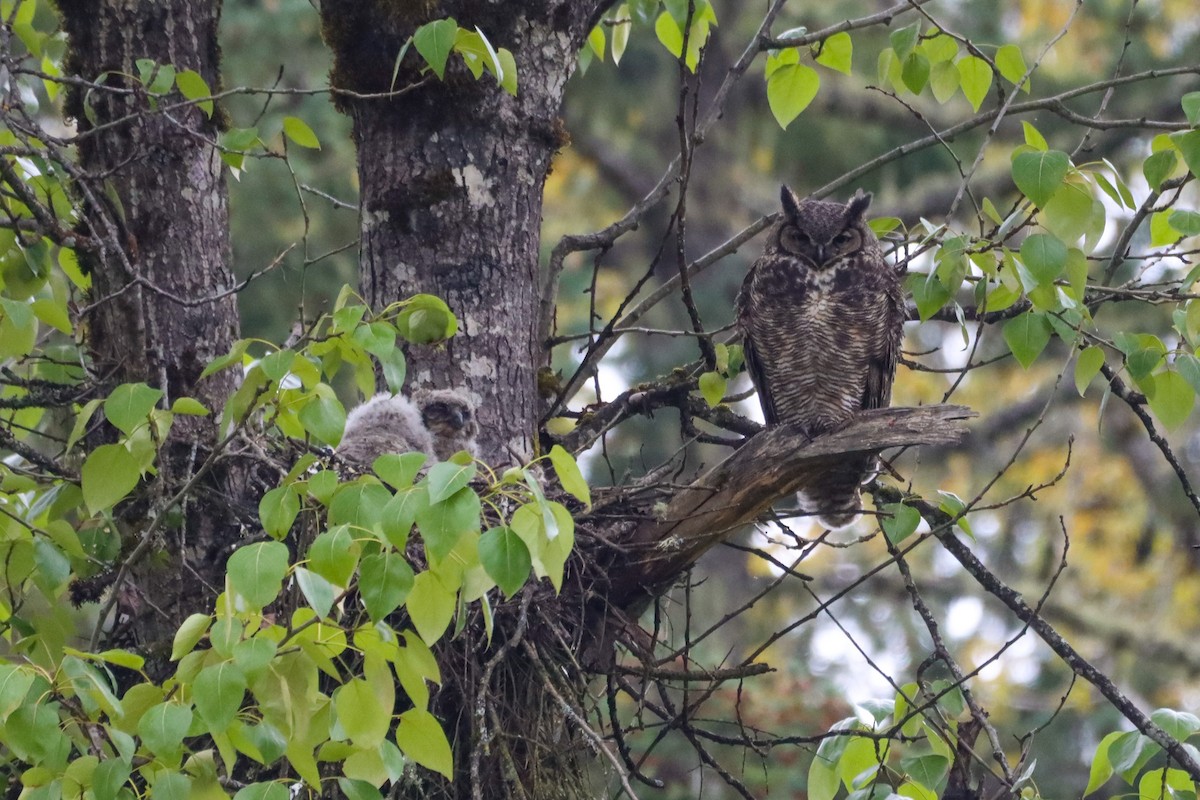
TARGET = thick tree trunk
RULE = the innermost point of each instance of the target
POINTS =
(161, 305)
(451, 175)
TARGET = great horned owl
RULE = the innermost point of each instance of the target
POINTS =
(384, 424)
(822, 314)
(449, 417)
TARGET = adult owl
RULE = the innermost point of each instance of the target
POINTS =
(821, 313)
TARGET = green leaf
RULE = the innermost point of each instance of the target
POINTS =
(1186, 222)
(975, 77)
(1189, 367)
(233, 356)
(18, 328)
(110, 777)
(194, 87)
(620, 32)
(1069, 211)
(1125, 749)
(927, 769)
(823, 781)
(401, 513)
(1171, 398)
(789, 91)
(837, 52)
(218, 693)
(446, 478)
(129, 405)
(928, 293)
(317, 591)
(361, 789)
(163, 727)
(256, 571)
(505, 558)
(298, 131)
(1161, 231)
(189, 634)
(596, 41)
(712, 388)
(422, 739)
(399, 470)
(1045, 257)
(434, 41)
(442, 524)
(190, 406)
(509, 64)
(426, 319)
(899, 521)
(171, 786)
(360, 504)
(1159, 166)
(1038, 174)
(1027, 336)
(569, 475)
(361, 714)
(943, 80)
(1011, 64)
(940, 48)
(915, 72)
(278, 510)
(430, 606)
(324, 416)
(1087, 365)
(110, 473)
(904, 40)
(333, 555)
(1191, 108)
(385, 580)
(1033, 137)
(669, 33)
(1189, 144)
(263, 791)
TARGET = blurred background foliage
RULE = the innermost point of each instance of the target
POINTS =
(1129, 597)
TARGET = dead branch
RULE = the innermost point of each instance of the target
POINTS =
(772, 465)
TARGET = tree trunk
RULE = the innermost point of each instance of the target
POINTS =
(451, 177)
(154, 196)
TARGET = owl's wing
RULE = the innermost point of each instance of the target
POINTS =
(881, 370)
(754, 366)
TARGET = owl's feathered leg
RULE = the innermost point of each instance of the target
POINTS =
(836, 499)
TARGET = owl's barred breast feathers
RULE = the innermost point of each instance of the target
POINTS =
(821, 313)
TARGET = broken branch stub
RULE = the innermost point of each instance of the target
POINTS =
(774, 464)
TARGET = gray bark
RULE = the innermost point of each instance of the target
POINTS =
(155, 196)
(451, 176)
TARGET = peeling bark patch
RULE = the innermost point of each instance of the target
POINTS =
(480, 367)
(479, 188)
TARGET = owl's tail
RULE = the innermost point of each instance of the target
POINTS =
(836, 499)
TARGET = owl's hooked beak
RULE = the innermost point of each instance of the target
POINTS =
(821, 255)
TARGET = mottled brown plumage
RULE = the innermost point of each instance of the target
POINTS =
(821, 313)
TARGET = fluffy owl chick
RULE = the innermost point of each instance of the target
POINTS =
(449, 417)
(821, 314)
(384, 424)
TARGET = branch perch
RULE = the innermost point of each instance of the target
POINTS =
(774, 464)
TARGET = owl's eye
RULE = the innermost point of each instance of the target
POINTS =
(846, 241)
(794, 240)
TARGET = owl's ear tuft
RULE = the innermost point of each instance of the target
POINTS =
(857, 205)
(791, 203)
